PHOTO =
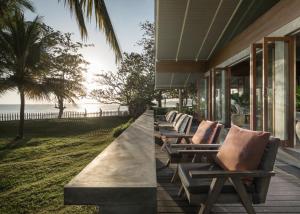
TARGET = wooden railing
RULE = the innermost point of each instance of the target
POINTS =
(53, 115)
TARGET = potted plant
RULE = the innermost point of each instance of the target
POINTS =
(238, 105)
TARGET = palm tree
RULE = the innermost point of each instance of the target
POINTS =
(8, 7)
(86, 8)
(22, 47)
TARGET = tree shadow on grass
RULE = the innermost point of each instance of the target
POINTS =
(11, 145)
(61, 127)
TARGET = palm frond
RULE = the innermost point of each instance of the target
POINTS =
(103, 22)
(6, 84)
(25, 4)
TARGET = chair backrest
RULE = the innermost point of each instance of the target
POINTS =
(217, 133)
(172, 116)
(186, 124)
(177, 117)
(168, 114)
(180, 121)
(267, 163)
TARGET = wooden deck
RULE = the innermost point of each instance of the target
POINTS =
(283, 196)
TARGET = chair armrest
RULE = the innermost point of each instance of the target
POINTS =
(185, 145)
(230, 174)
(160, 117)
(188, 151)
(176, 135)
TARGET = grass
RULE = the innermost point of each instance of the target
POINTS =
(34, 170)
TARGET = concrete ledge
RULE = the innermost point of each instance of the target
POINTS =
(123, 175)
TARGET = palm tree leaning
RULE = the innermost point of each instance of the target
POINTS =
(21, 49)
(88, 8)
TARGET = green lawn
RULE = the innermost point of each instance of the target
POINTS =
(33, 171)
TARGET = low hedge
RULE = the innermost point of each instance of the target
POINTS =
(119, 129)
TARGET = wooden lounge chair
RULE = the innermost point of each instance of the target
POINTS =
(183, 126)
(206, 184)
(179, 153)
(170, 124)
(168, 117)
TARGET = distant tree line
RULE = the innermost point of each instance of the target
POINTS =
(133, 82)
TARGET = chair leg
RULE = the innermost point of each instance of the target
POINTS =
(181, 191)
(215, 189)
(175, 175)
(164, 166)
(165, 143)
(241, 190)
(168, 163)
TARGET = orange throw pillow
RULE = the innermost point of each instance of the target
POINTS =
(242, 149)
(205, 132)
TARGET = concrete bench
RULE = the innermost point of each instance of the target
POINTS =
(122, 178)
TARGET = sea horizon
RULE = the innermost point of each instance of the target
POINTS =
(80, 107)
(50, 108)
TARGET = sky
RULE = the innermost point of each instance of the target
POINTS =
(126, 16)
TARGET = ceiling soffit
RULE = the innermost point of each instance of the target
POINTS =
(191, 29)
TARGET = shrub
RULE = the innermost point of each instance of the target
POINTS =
(119, 129)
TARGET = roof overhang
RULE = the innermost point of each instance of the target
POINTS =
(187, 32)
(178, 74)
(195, 30)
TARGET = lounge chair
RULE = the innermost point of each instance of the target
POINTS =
(177, 152)
(227, 180)
(168, 117)
(204, 138)
(182, 126)
(170, 124)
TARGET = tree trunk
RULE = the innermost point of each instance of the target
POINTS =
(60, 107)
(22, 109)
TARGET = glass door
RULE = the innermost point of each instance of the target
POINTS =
(203, 97)
(256, 87)
(221, 95)
(272, 87)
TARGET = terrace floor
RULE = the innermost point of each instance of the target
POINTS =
(283, 195)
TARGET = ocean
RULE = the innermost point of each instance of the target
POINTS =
(88, 107)
(50, 108)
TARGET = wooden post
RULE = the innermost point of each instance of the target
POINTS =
(180, 100)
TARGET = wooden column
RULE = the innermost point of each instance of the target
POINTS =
(227, 97)
(253, 72)
(265, 86)
(212, 97)
(292, 91)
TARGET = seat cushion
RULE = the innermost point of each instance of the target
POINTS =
(202, 185)
(242, 149)
(205, 132)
